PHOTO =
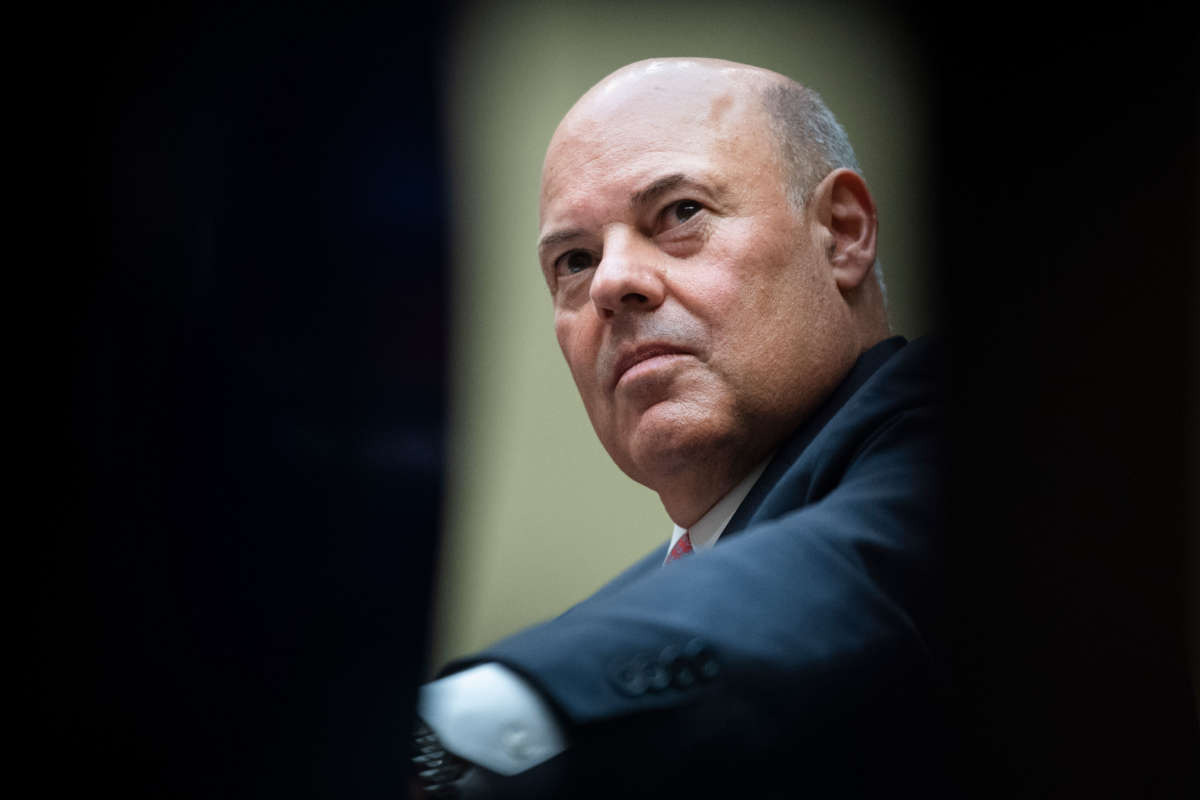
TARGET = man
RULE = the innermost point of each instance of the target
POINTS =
(710, 248)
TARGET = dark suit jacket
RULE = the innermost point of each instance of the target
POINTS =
(800, 655)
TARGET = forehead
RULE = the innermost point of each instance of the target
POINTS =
(621, 137)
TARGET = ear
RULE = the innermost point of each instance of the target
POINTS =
(845, 214)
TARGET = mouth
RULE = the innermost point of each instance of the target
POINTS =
(634, 356)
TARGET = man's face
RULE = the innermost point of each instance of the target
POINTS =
(694, 306)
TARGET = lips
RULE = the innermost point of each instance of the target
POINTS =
(630, 357)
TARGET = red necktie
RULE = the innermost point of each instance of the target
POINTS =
(681, 548)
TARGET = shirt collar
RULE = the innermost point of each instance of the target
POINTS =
(708, 529)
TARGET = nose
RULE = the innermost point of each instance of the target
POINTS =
(627, 277)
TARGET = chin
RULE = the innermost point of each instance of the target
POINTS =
(670, 437)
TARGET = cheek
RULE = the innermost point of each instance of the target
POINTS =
(730, 296)
(760, 309)
(579, 350)
(744, 264)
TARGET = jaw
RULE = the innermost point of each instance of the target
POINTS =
(687, 450)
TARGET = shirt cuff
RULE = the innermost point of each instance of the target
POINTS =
(491, 717)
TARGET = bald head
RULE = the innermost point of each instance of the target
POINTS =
(673, 79)
(811, 142)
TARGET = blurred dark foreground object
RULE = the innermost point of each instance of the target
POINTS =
(235, 600)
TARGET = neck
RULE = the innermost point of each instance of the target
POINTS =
(688, 495)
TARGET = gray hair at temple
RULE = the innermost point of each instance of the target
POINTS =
(812, 141)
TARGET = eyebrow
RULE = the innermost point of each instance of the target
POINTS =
(638, 199)
(659, 187)
(558, 237)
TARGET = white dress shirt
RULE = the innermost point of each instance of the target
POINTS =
(489, 716)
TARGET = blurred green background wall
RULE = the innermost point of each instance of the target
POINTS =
(537, 516)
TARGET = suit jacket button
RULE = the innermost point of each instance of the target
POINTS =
(657, 676)
(630, 678)
(677, 667)
(695, 648)
(702, 659)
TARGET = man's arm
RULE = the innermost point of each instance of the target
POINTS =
(800, 643)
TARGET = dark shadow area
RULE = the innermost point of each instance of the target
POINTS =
(1068, 269)
(234, 602)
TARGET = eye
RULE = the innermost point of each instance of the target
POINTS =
(574, 261)
(681, 211)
